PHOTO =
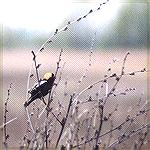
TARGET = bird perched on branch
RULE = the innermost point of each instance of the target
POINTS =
(41, 89)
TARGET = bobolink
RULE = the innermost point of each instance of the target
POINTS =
(41, 89)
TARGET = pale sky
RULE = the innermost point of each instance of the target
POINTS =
(49, 14)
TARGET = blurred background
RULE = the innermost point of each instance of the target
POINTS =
(122, 23)
(120, 26)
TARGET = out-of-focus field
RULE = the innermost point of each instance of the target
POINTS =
(16, 65)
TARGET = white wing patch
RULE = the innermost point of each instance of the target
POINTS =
(37, 85)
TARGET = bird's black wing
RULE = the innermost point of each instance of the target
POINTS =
(37, 92)
(37, 87)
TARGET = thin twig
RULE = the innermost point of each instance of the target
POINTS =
(117, 127)
(50, 96)
(6, 136)
(142, 140)
(117, 79)
(8, 122)
(64, 121)
(29, 120)
(116, 142)
(101, 112)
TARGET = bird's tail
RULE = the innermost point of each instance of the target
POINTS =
(27, 103)
(32, 98)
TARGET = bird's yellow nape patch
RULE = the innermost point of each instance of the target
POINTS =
(47, 76)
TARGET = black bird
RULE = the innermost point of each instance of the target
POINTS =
(41, 89)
